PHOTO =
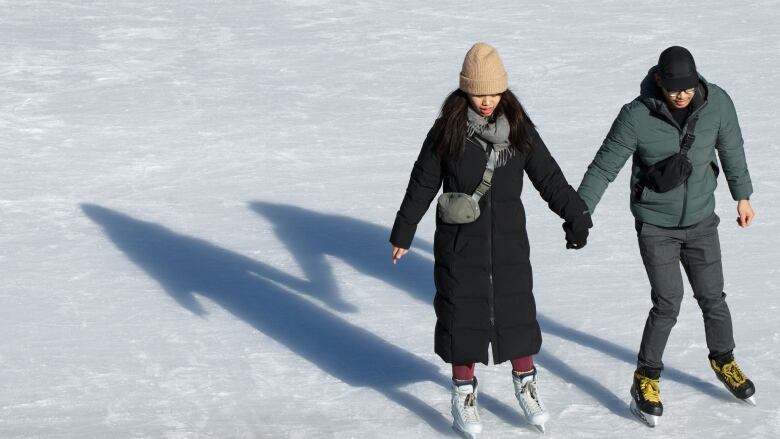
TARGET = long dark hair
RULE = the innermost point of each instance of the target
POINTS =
(451, 124)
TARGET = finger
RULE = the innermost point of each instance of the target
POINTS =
(749, 220)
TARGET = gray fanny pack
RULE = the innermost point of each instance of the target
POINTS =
(460, 208)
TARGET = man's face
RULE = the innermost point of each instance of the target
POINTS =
(676, 98)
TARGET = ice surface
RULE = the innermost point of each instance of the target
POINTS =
(196, 198)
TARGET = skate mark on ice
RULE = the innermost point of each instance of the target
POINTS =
(588, 385)
(550, 326)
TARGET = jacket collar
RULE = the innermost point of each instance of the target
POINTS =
(650, 95)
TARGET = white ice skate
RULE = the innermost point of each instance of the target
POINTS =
(464, 409)
(528, 396)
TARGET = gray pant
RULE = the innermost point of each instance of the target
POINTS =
(698, 249)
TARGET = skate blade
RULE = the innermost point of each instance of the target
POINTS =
(538, 423)
(648, 419)
(751, 401)
(463, 434)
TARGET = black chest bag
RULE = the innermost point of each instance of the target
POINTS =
(672, 171)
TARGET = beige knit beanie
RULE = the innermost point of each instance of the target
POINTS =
(483, 72)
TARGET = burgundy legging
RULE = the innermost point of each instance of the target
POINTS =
(465, 372)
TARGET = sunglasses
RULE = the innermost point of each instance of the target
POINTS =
(674, 94)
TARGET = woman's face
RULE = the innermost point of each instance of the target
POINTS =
(485, 105)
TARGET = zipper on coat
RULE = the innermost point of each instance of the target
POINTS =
(491, 295)
(683, 132)
(685, 202)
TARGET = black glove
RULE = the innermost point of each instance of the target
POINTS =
(577, 231)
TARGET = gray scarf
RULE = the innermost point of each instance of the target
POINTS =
(497, 134)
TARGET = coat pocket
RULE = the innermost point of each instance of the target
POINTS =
(711, 176)
(461, 241)
(642, 196)
(715, 169)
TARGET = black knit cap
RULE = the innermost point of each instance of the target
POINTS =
(677, 69)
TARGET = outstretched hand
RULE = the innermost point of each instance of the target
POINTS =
(398, 253)
(745, 213)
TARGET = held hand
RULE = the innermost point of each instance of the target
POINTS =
(577, 231)
(575, 238)
(745, 213)
(398, 253)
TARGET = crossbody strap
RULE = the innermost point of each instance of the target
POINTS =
(484, 185)
(687, 140)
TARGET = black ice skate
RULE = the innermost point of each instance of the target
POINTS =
(646, 397)
(729, 373)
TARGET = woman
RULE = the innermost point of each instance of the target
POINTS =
(482, 269)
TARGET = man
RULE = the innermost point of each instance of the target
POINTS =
(682, 117)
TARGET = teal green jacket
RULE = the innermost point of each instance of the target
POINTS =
(645, 131)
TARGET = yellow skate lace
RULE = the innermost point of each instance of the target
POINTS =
(733, 374)
(650, 388)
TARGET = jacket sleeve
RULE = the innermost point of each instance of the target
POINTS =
(618, 146)
(424, 183)
(547, 178)
(731, 152)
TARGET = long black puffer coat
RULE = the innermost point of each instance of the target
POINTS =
(482, 273)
